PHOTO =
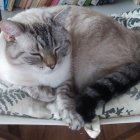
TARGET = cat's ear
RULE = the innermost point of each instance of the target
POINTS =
(11, 29)
(62, 16)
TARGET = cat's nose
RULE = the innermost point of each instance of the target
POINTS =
(50, 61)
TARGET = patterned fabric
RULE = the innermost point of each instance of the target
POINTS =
(125, 105)
(130, 19)
(15, 101)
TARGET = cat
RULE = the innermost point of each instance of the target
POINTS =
(104, 58)
(36, 57)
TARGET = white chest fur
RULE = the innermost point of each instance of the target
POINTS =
(61, 73)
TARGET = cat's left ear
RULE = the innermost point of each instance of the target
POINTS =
(62, 16)
(11, 29)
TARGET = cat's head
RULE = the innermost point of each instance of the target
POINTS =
(41, 45)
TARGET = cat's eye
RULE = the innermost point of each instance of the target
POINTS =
(37, 54)
(56, 50)
(39, 46)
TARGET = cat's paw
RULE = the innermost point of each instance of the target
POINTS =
(46, 97)
(72, 119)
(41, 93)
(85, 106)
(46, 94)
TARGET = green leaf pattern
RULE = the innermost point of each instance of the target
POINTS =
(130, 19)
(10, 96)
(122, 107)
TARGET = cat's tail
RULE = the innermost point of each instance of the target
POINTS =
(104, 89)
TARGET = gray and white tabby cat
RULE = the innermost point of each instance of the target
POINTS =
(104, 61)
(36, 56)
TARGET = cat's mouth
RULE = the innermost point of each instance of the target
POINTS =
(47, 69)
(51, 66)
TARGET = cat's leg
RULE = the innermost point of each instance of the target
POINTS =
(66, 106)
(105, 88)
(42, 93)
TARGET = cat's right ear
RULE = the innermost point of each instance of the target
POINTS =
(11, 29)
(61, 17)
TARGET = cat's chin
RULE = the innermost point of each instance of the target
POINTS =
(43, 69)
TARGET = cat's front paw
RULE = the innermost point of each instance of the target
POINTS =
(46, 94)
(42, 93)
(72, 119)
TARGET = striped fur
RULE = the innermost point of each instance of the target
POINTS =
(106, 88)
